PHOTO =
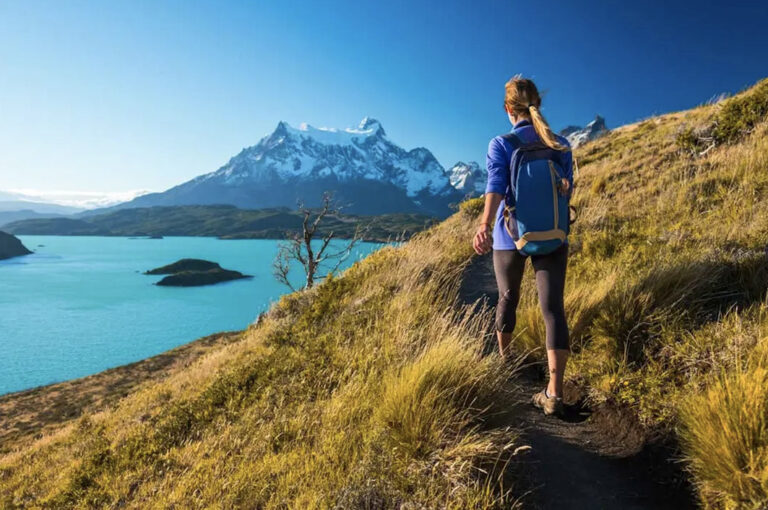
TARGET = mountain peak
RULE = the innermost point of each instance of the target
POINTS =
(282, 128)
(368, 123)
(367, 127)
(467, 178)
(371, 124)
(598, 123)
(577, 135)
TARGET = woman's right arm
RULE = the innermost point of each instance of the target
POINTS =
(496, 187)
(483, 241)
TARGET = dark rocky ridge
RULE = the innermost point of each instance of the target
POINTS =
(223, 221)
(11, 247)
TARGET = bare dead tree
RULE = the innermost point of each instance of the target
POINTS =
(298, 246)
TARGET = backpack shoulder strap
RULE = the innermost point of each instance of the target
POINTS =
(513, 139)
(509, 197)
(519, 150)
(519, 145)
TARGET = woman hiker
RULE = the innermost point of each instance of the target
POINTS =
(530, 143)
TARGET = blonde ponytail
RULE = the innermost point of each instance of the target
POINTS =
(522, 98)
(544, 131)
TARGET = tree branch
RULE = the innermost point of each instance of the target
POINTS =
(298, 246)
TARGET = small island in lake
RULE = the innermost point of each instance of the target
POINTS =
(195, 272)
(10, 247)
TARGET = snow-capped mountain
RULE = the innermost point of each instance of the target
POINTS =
(581, 135)
(365, 170)
(468, 178)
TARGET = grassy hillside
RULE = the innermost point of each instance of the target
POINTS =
(369, 388)
(371, 391)
(224, 221)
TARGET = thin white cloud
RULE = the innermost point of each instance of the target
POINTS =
(80, 199)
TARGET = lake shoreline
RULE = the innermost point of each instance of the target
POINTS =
(235, 237)
(29, 414)
(80, 305)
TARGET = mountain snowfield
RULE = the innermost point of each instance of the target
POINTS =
(368, 173)
(353, 153)
(468, 178)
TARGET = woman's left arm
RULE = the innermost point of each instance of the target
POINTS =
(565, 186)
(568, 167)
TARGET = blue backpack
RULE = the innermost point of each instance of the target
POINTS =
(536, 215)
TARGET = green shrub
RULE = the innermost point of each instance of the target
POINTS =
(741, 113)
(688, 141)
(472, 207)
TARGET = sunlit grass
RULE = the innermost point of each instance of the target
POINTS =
(725, 430)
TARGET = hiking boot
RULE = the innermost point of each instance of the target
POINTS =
(550, 405)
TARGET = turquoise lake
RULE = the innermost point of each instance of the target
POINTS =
(80, 305)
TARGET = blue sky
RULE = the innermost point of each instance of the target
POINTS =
(122, 95)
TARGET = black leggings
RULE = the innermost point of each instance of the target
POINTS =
(550, 284)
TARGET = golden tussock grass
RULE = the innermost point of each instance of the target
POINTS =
(726, 436)
(667, 286)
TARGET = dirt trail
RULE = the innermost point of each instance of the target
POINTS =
(590, 459)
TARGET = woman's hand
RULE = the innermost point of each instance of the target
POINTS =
(564, 187)
(483, 240)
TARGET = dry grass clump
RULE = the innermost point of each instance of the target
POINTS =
(725, 431)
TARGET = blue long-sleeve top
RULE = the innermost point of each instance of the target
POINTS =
(497, 162)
